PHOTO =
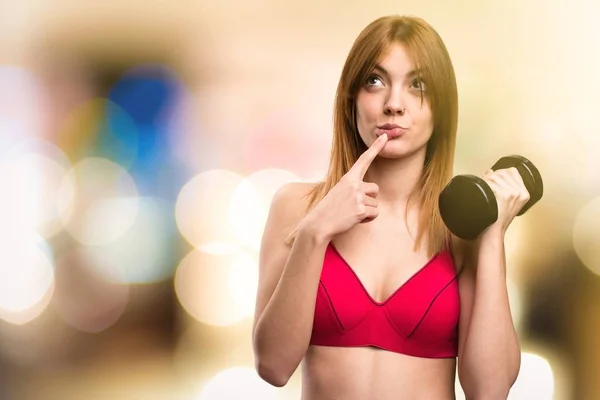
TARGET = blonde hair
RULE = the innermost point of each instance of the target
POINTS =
(431, 57)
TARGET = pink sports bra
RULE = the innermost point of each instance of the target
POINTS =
(419, 319)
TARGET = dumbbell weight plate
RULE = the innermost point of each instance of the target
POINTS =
(530, 174)
(468, 206)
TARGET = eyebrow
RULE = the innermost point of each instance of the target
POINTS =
(414, 72)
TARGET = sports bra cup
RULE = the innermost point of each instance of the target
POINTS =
(419, 318)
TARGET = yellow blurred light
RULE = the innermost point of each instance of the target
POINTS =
(26, 278)
(88, 128)
(105, 201)
(217, 290)
(218, 248)
(237, 383)
(515, 243)
(515, 299)
(80, 128)
(202, 207)
(251, 201)
(535, 378)
(83, 298)
(586, 235)
(142, 254)
(584, 163)
(200, 351)
(243, 282)
(549, 130)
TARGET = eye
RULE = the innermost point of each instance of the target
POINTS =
(418, 84)
(374, 80)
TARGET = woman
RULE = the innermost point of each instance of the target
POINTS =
(369, 290)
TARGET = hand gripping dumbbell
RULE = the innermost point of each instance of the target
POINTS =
(468, 206)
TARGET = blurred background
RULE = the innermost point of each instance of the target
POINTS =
(141, 143)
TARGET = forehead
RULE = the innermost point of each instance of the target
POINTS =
(397, 60)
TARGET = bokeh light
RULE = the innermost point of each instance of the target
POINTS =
(287, 139)
(143, 254)
(586, 235)
(535, 378)
(251, 201)
(105, 201)
(202, 207)
(514, 238)
(22, 112)
(99, 128)
(30, 177)
(152, 96)
(516, 302)
(149, 94)
(243, 282)
(26, 278)
(237, 383)
(83, 298)
(584, 165)
(217, 290)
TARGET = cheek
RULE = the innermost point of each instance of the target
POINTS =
(423, 116)
(367, 110)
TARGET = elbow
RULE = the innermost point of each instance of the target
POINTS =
(488, 385)
(271, 374)
(487, 394)
(269, 368)
(482, 391)
(487, 389)
(273, 365)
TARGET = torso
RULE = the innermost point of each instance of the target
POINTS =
(365, 373)
(382, 256)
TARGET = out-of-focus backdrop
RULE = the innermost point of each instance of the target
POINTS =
(141, 143)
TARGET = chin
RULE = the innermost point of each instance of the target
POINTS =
(399, 150)
(395, 147)
(391, 154)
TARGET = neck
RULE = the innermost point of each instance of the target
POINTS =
(396, 179)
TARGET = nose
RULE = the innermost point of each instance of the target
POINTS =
(394, 104)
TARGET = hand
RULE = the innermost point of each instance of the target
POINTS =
(511, 195)
(351, 201)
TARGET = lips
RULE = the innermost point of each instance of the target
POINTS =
(390, 126)
(392, 130)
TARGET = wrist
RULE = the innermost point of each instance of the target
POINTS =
(313, 231)
(493, 234)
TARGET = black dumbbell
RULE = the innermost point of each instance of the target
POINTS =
(468, 206)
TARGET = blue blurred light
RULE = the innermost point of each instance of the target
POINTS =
(145, 93)
(149, 94)
(117, 137)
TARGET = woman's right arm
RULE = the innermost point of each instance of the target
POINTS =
(287, 289)
(289, 276)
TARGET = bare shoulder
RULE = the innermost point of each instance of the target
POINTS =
(290, 200)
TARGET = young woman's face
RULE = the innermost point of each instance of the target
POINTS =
(392, 96)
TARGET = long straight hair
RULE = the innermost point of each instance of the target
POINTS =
(431, 58)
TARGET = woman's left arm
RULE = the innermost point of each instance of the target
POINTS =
(489, 356)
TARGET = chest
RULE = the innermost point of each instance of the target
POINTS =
(383, 258)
